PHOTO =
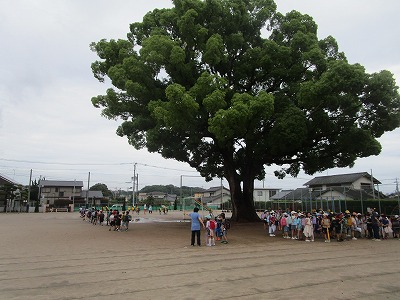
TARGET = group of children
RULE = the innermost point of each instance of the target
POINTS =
(340, 226)
(115, 220)
(217, 229)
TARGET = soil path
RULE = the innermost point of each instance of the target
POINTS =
(60, 256)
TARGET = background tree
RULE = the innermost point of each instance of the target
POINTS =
(199, 83)
(101, 187)
(34, 194)
(171, 189)
(7, 194)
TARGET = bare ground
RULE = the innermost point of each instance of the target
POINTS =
(59, 256)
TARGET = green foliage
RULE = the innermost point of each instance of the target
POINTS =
(7, 192)
(101, 187)
(171, 189)
(199, 83)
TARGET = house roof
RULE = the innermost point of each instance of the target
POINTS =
(214, 189)
(355, 194)
(281, 195)
(5, 179)
(304, 194)
(61, 183)
(92, 194)
(299, 194)
(156, 193)
(267, 189)
(338, 179)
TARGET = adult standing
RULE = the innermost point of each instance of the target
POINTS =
(196, 221)
(375, 225)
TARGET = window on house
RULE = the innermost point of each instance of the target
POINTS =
(61, 194)
(259, 193)
(272, 193)
(365, 186)
(56, 189)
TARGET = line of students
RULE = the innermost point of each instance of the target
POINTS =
(115, 220)
(340, 226)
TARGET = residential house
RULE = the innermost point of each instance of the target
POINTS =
(54, 193)
(214, 197)
(158, 197)
(11, 203)
(355, 181)
(263, 195)
(5, 180)
(330, 192)
(91, 198)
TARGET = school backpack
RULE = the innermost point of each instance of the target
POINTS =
(212, 224)
(227, 224)
(272, 220)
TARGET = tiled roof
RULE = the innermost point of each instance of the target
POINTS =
(92, 194)
(281, 194)
(8, 180)
(338, 179)
(304, 194)
(214, 189)
(298, 194)
(61, 183)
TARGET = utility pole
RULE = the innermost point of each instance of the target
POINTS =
(133, 184)
(222, 191)
(137, 187)
(39, 195)
(29, 191)
(73, 195)
(373, 186)
(397, 192)
(87, 193)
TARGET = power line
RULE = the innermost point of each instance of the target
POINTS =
(63, 163)
(92, 164)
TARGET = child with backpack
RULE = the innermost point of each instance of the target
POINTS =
(210, 227)
(218, 229)
(272, 225)
(284, 225)
(225, 226)
(126, 219)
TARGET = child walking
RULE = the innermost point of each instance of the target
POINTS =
(210, 227)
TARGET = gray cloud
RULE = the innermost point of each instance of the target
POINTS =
(46, 85)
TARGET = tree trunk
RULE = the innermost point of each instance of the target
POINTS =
(243, 209)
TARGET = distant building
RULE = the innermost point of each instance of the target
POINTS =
(59, 193)
(331, 192)
(262, 195)
(158, 197)
(355, 181)
(93, 198)
(5, 180)
(214, 196)
(14, 204)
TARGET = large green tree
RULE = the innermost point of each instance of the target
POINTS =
(102, 188)
(232, 86)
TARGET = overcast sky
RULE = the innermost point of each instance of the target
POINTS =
(47, 121)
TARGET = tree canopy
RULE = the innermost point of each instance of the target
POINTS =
(171, 189)
(232, 86)
(101, 187)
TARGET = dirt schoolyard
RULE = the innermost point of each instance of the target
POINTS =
(60, 256)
